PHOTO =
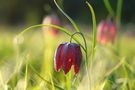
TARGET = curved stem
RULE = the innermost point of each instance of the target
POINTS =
(54, 26)
(39, 25)
(85, 43)
(70, 19)
(109, 8)
(86, 53)
(83, 39)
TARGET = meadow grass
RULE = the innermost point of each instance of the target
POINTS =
(112, 68)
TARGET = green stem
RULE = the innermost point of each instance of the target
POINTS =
(86, 53)
(82, 37)
(32, 68)
(94, 38)
(119, 11)
(40, 25)
(54, 26)
(109, 8)
(94, 27)
(85, 43)
(70, 19)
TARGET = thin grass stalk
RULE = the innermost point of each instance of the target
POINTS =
(94, 39)
(94, 27)
(109, 8)
(34, 70)
(86, 54)
(119, 12)
(70, 19)
(26, 76)
(53, 87)
(115, 68)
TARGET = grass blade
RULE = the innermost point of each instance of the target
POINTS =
(109, 8)
(26, 76)
(70, 19)
(119, 11)
(43, 78)
(94, 27)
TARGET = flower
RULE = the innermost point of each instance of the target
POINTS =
(106, 32)
(68, 54)
(51, 19)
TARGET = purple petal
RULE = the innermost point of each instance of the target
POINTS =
(78, 59)
(67, 58)
(57, 58)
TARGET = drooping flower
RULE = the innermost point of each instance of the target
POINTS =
(54, 20)
(66, 56)
(106, 32)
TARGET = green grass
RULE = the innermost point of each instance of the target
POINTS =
(110, 70)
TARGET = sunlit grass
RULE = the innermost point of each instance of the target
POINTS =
(109, 70)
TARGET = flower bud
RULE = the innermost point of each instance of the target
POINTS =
(68, 54)
(106, 32)
(54, 20)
